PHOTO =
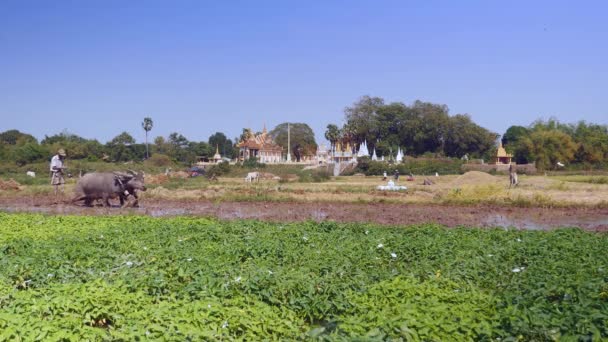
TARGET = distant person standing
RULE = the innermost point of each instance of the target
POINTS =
(396, 175)
(57, 168)
(384, 176)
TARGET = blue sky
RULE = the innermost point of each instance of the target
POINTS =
(96, 68)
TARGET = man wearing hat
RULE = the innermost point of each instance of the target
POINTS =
(57, 170)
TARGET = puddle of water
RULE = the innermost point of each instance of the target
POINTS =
(167, 212)
(507, 222)
(529, 224)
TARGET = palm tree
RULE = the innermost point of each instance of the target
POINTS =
(147, 126)
(332, 134)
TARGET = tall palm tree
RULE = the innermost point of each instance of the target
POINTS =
(332, 134)
(147, 126)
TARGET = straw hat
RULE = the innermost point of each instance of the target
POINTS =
(61, 152)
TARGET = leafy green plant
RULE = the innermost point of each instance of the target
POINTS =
(185, 278)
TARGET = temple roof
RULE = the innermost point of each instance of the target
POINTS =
(501, 152)
(262, 142)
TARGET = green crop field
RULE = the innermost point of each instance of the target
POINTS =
(134, 278)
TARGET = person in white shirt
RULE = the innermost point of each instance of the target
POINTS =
(57, 168)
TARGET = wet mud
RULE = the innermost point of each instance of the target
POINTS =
(592, 219)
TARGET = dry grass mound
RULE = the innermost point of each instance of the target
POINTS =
(475, 178)
(10, 184)
(156, 179)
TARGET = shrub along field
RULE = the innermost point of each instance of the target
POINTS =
(132, 277)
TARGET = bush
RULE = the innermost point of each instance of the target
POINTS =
(417, 166)
(314, 176)
(219, 169)
(159, 160)
(253, 163)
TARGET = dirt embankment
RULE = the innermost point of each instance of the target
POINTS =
(593, 219)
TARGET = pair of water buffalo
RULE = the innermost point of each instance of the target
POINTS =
(106, 185)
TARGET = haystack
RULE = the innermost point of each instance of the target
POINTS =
(475, 178)
(10, 184)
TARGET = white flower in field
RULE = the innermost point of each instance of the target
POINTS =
(50, 275)
(145, 248)
(101, 236)
(189, 259)
(270, 272)
(366, 232)
(305, 238)
(490, 255)
(394, 255)
(380, 245)
(209, 306)
(225, 325)
(517, 269)
(180, 240)
(237, 279)
(518, 240)
(147, 332)
(129, 263)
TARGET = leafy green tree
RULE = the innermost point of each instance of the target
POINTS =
(592, 143)
(30, 152)
(332, 134)
(361, 119)
(120, 148)
(547, 147)
(179, 148)
(225, 145)
(15, 137)
(514, 134)
(147, 125)
(302, 139)
(465, 137)
(78, 147)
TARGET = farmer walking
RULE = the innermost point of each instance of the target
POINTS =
(57, 168)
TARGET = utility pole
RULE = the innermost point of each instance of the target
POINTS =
(288, 144)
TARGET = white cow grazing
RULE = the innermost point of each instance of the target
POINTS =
(251, 176)
(31, 174)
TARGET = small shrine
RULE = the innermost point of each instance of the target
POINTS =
(217, 157)
(502, 157)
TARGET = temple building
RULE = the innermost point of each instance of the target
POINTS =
(260, 146)
(502, 157)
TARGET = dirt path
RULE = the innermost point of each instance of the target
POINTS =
(592, 219)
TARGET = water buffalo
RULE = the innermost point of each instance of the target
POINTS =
(106, 185)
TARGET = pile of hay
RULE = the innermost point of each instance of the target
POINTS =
(156, 179)
(475, 178)
(179, 174)
(268, 175)
(10, 184)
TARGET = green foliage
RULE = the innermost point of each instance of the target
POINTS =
(547, 147)
(219, 169)
(15, 137)
(135, 277)
(302, 139)
(314, 176)
(416, 166)
(253, 163)
(29, 152)
(219, 141)
(159, 160)
(420, 128)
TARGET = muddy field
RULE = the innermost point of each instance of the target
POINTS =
(593, 219)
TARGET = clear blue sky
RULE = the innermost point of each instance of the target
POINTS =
(96, 68)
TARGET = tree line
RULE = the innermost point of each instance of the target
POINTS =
(23, 148)
(422, 128)
(547, 143)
